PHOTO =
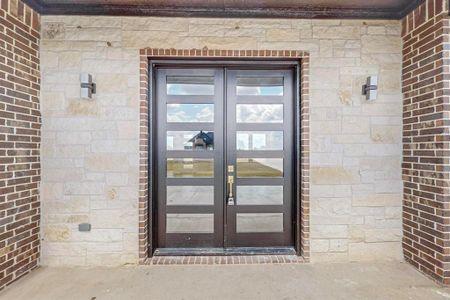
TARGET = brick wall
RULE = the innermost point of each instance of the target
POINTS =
(426, 137)
(20, 124)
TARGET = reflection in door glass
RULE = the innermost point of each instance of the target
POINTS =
(190, 140)
(190, 167)
(190, 223)
(259, 140)
(259, 195)
(190, 113)
(263, 222)
(190, 195)
(190, 85)
(259, 113)
(259, 86)
(260, 167)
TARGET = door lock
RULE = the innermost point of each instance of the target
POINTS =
(230, 181)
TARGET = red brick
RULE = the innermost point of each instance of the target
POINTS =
(20, 121)
(426, 226)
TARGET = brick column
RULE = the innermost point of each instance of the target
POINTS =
(426, 137)
(20, 124)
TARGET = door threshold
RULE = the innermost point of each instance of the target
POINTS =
(232, 251)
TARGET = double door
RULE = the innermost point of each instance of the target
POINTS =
(224, 157)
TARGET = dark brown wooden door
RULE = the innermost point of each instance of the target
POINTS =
(224, 157)
(259, 132)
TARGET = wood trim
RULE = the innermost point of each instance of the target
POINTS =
(306, 12)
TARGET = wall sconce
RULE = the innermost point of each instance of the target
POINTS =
(370, 89)
(87, 86)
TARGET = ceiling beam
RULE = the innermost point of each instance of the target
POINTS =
(307, 12)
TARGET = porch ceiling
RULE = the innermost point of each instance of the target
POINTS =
(382, 9)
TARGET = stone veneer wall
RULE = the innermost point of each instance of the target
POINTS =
(426, 137)
(20, 124)
(90, 152)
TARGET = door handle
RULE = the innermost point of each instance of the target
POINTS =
(230, 181)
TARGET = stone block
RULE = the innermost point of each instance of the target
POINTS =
(381, 44)
(375, 251)
(106, 162)
(66, 205)
(205, 30)
(334, 175)
(377, 200)
(377, 30)
(73, 138)
(53, 31)
(105, 34)
(128, 129)
(383, 235)
(355, 125)
(69, 61)
(51, 190)
(280, 35)
(138, 24)
(318, 246)
(329, 231)
(386, 134)
(329, 257)
(82, 107)
(390, 79)
(83, 188)
(336, 32)
(55, 233)
(338, 245)
(111, 83)
(330, 191)
(325, 127)
(325, 78)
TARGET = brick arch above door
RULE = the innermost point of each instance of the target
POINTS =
(303, 181)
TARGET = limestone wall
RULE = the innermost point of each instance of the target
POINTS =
(90, 148)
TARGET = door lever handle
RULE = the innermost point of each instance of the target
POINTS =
(230, 198)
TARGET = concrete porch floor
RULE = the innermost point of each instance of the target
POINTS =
(288, 281)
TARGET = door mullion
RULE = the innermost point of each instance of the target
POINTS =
(226, 158)
(219, 163)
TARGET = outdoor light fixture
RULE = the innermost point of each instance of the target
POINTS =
(87, 86)
(370, 89)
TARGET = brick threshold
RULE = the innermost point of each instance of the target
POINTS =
(224, 260)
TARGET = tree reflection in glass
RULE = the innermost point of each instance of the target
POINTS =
(190, 140)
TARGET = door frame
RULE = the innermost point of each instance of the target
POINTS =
(254, 63)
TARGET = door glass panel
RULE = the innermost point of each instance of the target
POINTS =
(190, 223)
(190, 140)
(263, 222)
(190, 195)
(259, 140)
(190, 113)
(190, 167)
(260, 167)
(192, 85)
(259, 86)
(259, 113)
(259, 195)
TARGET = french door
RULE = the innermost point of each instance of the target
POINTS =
(224, 170)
